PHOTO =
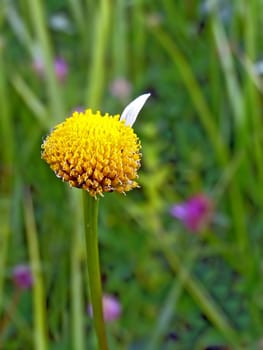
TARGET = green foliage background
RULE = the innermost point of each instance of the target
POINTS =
(201, 131)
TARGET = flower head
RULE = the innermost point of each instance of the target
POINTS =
(111, 308)
(22, 276)
(98, 153)
(195, 213)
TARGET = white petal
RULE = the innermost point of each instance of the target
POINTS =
(131, 112)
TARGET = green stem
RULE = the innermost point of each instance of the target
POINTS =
(90, 206)
(76, 256)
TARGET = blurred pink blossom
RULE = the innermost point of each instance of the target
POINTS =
(38, 66)
(111, 308)
(77, 109)
(120, 88)
(22, 276)
(195, 213)
(60, 67)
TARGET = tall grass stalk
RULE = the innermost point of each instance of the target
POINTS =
(240, 131)
(39, 301)
(204, 113)
(98, 71)
(206, 303)
(5, 210)
(253, 108)
(39, 111)
(166, 313)
(119, 40)
(230, 74)
(77, 10)
(39, 22)
(6, 178)
(252, 28)
(18, 25)
(138, 41)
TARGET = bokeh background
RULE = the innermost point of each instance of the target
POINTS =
(182, 256)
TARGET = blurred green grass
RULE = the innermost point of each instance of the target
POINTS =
(201, 132)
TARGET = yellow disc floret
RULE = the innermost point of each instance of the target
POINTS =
(94, 152)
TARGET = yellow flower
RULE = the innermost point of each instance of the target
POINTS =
(98, 153)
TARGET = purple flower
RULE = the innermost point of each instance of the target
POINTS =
(195, 213)
(111, 308)
(77, 109)
(22, 276)
(60, 67)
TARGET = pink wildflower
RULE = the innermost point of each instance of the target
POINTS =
(111, 308)
(38, 66)
(22, 276)
(60, 67)
(120, 88)
(195, 213)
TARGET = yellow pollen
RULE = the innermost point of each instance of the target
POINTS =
(94, 152)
